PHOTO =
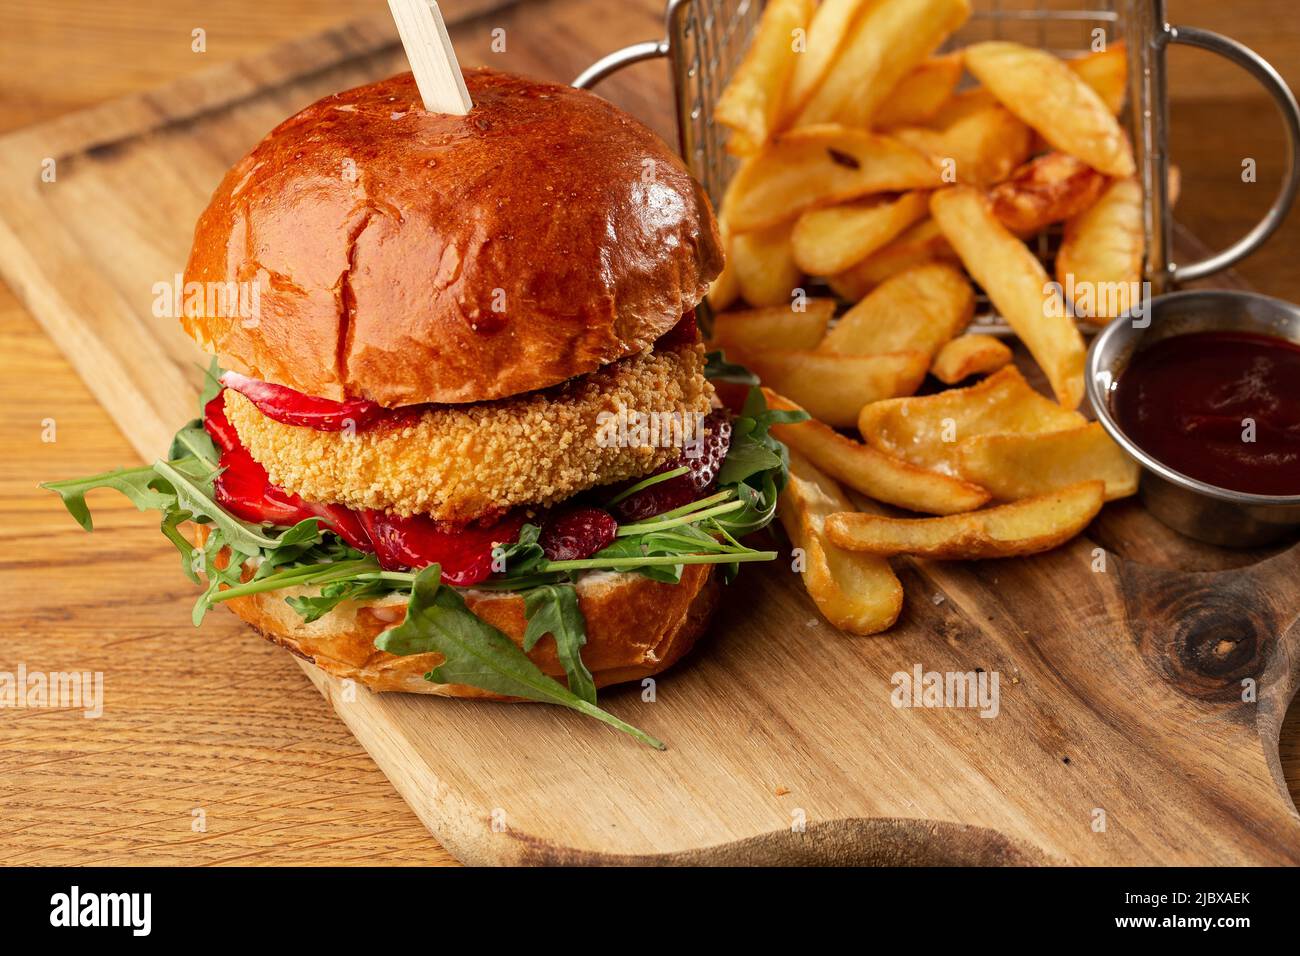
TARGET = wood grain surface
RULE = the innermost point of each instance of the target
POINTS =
(217, 721)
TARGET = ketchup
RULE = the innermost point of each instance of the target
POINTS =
(1190, 401)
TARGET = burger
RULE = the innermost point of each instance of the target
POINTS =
(468, 442)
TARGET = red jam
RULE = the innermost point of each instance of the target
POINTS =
(1220, 407)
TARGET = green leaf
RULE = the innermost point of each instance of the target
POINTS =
(192, 493)
(477, 654)
(718, 369)
(211, 384)
(171, 522)
(143, 486)
(522, 557)
(753, 450)
(553, 609)
(747, 458)
(193, 441)
(332, 595)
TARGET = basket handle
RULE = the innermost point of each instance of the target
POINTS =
(1263, 71)
(606, 65)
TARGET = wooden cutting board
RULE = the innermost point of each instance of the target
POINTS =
(1121, 737)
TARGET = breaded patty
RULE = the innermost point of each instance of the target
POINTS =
(458, 462)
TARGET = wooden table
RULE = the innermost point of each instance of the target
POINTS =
(212, 747)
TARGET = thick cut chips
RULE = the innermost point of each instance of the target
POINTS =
(925, 430)
(1025, 527)
(873, 472)
(1017, 285)
(1021, 466)
(858, 593)
(919, 309)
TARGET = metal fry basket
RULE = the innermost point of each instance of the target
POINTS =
(706, 40)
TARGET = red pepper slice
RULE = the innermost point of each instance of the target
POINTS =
(418, 541)
(289, 407)
(244, 490)
(218, 426)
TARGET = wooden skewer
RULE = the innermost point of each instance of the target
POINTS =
(431, 55)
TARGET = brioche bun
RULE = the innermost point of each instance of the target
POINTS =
(411, 257)
(635, 627)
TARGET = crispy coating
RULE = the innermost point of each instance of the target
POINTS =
(458, 462)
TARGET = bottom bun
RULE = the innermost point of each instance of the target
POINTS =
(635, 627)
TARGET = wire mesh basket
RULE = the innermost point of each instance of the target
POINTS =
(706, 40)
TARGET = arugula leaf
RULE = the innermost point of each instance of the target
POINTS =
(171, 522)
(525, 555)
(718, 369)
(229, 574)
(145, 488)
(193, 491)
(334, 594)
(553, 609)
(193, 441)
(476, 653)
(642, 546)
(211, 384)
(748, 457)
(753, 450)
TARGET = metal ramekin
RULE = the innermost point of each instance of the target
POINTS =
(1206, 512)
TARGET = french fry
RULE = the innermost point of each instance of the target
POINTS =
(826, 241)
(725, 289)
(774, 327)
(919, 245)
(751, 103)
(820, 166)
(915, 310)
(1006, 531)
(857, 593)
(764, 264)
(1017, 285)
(1050, 97)
(833, 388)
(968, 355)
(827, 32)
(1023, 466)
(921, 93)
(872, 472)
(887, 40)
(1047, 189)
(925, 430)
(961, 105)
(1106, 71)
(983, 146)
(1100, 260)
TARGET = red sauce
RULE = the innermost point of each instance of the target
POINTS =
(1188, 400)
